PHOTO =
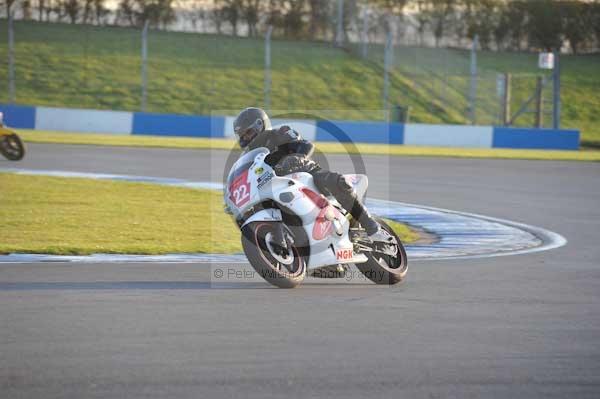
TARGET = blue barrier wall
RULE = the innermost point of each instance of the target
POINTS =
(535, 138)
(360, 132)
(177, 125)
(18, 116)
(28, 117)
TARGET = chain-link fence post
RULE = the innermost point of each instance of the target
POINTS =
(388, 58)
(268, 68)
(11, 59)
(444, 83)
(144, 66)
(506, 98)
(556, 92)
(473, 85)
(539, 102)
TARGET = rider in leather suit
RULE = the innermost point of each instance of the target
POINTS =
(289, 153)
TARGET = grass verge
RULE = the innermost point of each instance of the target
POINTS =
(406, 234)
(37, 136)
(72, 216)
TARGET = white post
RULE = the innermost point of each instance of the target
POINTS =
(11, 59)
(556, 91)
(144, 65)
(268, 68)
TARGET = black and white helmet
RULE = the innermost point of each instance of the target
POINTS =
(249, 123)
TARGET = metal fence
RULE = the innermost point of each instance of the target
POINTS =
(87, 66)
(455, 85)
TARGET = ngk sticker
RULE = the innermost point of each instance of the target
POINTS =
(344, 254)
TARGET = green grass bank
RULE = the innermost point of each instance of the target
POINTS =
(99, 67)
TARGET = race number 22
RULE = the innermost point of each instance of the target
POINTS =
(239, 190)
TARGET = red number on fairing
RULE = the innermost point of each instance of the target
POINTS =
(239, 190)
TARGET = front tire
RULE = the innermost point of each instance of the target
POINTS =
(382, 268)
(269, 265)
(12, 147)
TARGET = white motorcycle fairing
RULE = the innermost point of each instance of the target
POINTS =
(252, 184)
(265, 215)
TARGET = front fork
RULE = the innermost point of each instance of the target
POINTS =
(278, 239)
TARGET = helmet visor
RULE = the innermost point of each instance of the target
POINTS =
(250, 133)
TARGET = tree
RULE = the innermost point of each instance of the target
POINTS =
(250, 11)
(595, 17)
(392, 8)
(577, 23)
(437, 14)
(395, 7)
(8, 6)
(41, 9)
(319, 17)
(502, 26)
(194, 12)
(100, 12)
(544, 24)
(26, 9)
(48, 9)
(287, 16)
(126, 13)
(231, 11)
(159, 13)
(422, 19)
(72, 8)
(217, 15)
(87, 11)
(293, 24)
(516, 15)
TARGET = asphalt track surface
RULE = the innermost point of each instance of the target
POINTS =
(519, 326)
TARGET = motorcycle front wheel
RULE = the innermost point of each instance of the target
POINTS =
(284, 270)
(387, 263)
(12, 147)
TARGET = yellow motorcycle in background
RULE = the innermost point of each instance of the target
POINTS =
(11, 145)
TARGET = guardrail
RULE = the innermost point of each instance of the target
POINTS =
(143, 123)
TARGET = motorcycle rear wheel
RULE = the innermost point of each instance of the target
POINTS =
(266, 263)
(12, 147)
(382, 268)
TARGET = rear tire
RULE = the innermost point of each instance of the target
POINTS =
(382, 268)
(259, 253)
(12, 147)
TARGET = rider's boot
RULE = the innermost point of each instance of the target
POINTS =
(373, 229)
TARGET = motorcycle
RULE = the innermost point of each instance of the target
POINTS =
(289, 228)
(11, 145)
